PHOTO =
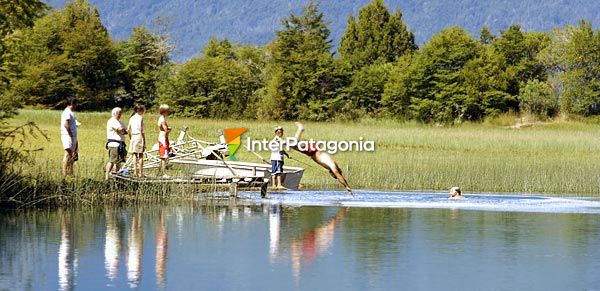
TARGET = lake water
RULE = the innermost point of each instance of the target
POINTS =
(309, 241)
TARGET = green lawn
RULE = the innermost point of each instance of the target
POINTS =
(559, 158)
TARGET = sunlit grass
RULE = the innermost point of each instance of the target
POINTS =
(558, 158)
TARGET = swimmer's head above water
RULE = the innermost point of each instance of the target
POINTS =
(455, 193)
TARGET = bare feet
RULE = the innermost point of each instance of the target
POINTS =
(279, 188)
(350, 191)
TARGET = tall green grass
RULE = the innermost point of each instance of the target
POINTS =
(558, 158)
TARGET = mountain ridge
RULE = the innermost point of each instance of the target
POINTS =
(193, 23)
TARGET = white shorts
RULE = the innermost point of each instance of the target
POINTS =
(68, 142)
(137, 144)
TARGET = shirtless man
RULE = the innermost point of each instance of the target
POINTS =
(164, 146)
(322, 158)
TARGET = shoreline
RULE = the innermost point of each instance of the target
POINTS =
(556, 159)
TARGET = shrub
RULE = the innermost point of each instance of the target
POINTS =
(537, 98)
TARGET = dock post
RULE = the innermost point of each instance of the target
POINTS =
(233, 189)
(263, 189)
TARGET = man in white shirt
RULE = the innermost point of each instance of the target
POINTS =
(68, 136)
(115, 135)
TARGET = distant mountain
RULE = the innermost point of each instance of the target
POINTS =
(193, 22)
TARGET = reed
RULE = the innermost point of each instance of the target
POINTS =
(553, 158)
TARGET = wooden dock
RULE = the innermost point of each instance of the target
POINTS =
(232, 184)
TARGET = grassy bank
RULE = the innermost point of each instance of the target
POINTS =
(559, 158)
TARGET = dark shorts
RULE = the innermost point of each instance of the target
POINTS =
(113, 155)
(276, 167)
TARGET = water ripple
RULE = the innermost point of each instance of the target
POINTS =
(486, 202)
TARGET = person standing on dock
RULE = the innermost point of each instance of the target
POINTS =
(115, 134)
(137, 135)
(164, 148)
(277, 154)
(68, 136)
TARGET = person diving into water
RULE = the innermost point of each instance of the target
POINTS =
(321, 158)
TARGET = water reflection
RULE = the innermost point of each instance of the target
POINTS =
(135, 244)
(67, 256)
(112, 244)
(241, 247)
(162, 244)
(274, 225)
(305, 246)
(314, 243)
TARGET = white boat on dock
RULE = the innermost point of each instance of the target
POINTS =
(232, 169)
(200, 162)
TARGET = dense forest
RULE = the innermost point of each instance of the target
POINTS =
(376, 69)
(193, 22)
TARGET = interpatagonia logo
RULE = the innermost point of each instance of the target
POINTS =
(311, 145)
(233, 139)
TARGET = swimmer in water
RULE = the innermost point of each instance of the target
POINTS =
(455, 193)
(322, 158)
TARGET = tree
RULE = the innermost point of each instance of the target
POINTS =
(485, 36)
(215, 48)
(17, 14)
(581, 79)
(511, 44)
(141, 59)
(66, 53)
(432, 83)
(366, 88)
(219, 85)
(376, 37)
(520, 51)
(486, 83)
(14, 15)
(304, 67)
(536, 98)
(399, 89)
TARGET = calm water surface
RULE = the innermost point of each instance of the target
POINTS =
(376, 241)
